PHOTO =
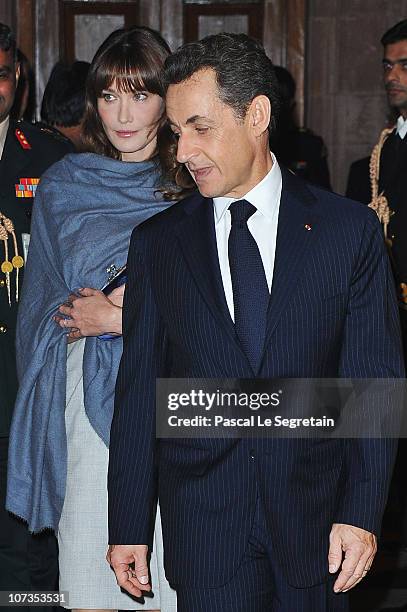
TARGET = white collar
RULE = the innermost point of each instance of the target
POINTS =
(401, 126)
(264, 196)
(3, 133)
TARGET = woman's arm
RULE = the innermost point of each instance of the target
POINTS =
(92, 313)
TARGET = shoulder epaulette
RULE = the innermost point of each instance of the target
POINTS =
(22, 139)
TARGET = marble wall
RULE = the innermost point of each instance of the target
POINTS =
(345, 101)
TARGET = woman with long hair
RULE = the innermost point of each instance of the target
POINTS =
(85, 210)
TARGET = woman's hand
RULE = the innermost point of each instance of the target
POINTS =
(92, 313)
(116, 296)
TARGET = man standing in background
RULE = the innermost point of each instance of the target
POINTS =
(386, 192)
(297, 148)
(26, 562)
(63, 102)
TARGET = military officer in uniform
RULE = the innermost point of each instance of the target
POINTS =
(381, 182)
(26, 562)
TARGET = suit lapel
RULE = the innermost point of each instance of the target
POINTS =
(197, 240)
(297, 231)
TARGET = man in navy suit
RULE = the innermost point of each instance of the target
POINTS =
(258, 275)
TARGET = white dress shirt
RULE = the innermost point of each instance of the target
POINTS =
(401, 127)
(3, 134)
(265, 197)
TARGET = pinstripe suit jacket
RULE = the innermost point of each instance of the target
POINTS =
(332, 313)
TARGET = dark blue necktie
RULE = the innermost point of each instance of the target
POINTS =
(250, 291)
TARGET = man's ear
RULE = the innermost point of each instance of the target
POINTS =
(259, 114)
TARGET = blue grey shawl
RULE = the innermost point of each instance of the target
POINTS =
(85, 209)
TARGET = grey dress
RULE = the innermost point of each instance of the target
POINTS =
(82, 533)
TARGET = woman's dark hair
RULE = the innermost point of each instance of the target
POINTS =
(242, 70)
(179, 182)
(133, 58)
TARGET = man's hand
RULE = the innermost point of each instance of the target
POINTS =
(120, 557)
(359, 546)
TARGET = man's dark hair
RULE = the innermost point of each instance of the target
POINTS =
(395, 34)
(63, 102)
(242, 68)
(7, 40)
